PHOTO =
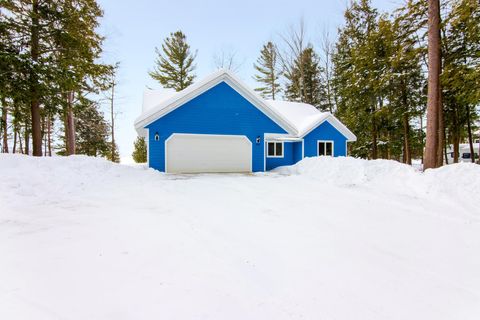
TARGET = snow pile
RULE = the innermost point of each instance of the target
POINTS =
(344, 171)
(462, 179)
(82, 238)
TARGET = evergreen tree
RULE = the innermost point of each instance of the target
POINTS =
(56, 47)
(304, 80)
(405, 87)
(116, 155)
(139, 154)
(461, 74)
(267, 67)
(356, 76)
(174, 64)
(91, 130)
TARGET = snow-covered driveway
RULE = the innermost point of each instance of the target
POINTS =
(82, 238)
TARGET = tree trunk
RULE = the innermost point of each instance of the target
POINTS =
(407, 158)
(445, 147)
(470, 138)
(49, 136)
(441, 130)
(44, 130)
(27, 141)
(14, 150)
(421, 136)
(478, 161)
(374, 139)
(4, 126)
(456, 147)
(35, 102)
(113, 120)
(20, 141)
(70, 126)
(433, 105)
(455, 134)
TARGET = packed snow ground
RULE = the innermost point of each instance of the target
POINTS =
(81, 238)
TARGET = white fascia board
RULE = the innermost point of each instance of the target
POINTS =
(336, 124)
(280, 137)
(197, 89)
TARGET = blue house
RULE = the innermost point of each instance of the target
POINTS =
(220, 125)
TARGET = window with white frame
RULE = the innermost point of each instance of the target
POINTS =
(325, 148)
(275, 149)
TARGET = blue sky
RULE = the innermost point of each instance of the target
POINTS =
(134, 28)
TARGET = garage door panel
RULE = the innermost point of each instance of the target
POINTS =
(190, 153)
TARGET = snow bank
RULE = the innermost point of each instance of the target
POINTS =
(82, 238)
(344, 171)
(461, 180)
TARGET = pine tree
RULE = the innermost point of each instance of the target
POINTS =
(139, 154)
(407, 89)
(91, 130)
(267, 67)
(461, 74)
(116, 155)
(357, 72)
(56, 47)
(175, 63)
(304, 79)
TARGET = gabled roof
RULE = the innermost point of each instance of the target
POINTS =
(298, 119)
(171, 102)
(306, 117)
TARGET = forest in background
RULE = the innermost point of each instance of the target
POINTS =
(372, 76)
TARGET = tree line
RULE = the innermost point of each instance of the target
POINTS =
(373, 76)
(52, 83)
(377, 76)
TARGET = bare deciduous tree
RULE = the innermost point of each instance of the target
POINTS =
(326, 52)
(294, 44)
(227, 58)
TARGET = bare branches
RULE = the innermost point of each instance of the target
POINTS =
(227, 58)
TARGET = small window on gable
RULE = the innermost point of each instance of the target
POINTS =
(275, 149)
(325, 148)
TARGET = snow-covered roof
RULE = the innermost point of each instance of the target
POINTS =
(306, 117)
(298, 119)
(172, 102)
(152, 98)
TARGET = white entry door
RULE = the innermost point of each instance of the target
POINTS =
(195, 153)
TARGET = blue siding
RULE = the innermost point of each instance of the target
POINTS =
(292, 153)
(297, 151)
(220, 110)
(325, 131)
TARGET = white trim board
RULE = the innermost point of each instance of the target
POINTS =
(333, 147)
(283, 149)
(335, 123)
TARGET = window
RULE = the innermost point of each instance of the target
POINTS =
(275, 149)
(325, 148)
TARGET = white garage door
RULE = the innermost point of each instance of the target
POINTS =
(191, 153)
